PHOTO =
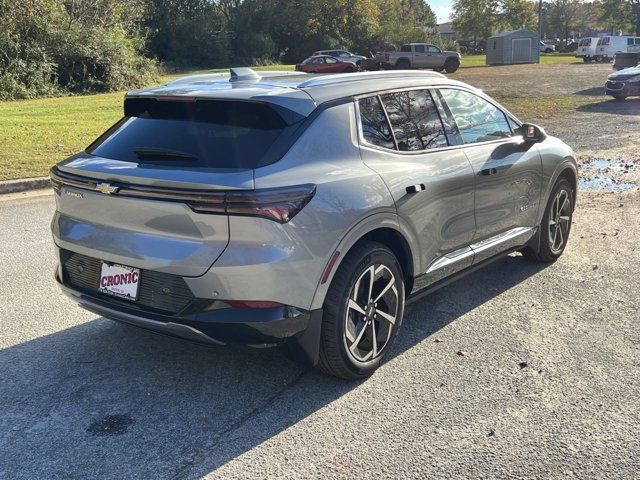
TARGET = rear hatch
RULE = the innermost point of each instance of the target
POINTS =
(150, 192)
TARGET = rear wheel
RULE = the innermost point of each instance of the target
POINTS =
(586, 59)
(403, 64)
(362, 312)
(556, 224)
(620, 98)
(451, 65)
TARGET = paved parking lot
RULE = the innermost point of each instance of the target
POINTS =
(517, 371)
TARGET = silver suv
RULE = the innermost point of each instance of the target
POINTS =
(301, 211)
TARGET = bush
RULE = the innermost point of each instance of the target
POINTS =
(49, 47)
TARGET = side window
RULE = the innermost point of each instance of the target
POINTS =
(637, 41)
(433, 49)
(629, 41)
(419, 48)
(415, 120)
(375, 127)
(330, 60)
(477, 119)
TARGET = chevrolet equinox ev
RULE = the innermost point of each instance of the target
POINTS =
(302, 211)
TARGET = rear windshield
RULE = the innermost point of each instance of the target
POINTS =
(203, 133)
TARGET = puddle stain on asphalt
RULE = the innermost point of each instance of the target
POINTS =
(110, 425)
(604, 175)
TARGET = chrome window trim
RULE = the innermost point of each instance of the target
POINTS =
(364, 144)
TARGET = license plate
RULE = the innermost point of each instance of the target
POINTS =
(119, 280)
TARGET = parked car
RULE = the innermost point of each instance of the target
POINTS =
(587, 49)
(343, 55)
(624, 83)
(302, 212)
(608, 47)
(420, 55)
(547, 47)
(570, 47)
(325, 64)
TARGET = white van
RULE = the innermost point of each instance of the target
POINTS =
(609, 46)
(587, 48)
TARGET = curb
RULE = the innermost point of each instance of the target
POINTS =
(23, 185)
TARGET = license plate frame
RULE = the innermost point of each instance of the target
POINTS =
(120, 281)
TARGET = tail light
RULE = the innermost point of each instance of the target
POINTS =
(279, 204)
(386, 57)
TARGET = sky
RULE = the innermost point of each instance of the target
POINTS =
(442, 9)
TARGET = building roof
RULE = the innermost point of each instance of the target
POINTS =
(521, 31)
(299, 92)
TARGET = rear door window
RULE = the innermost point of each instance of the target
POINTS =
(415, 120)
(375, 128)
(203, 133)
(476, 118)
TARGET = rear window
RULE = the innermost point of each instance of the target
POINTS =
(405, 48)
(203, 133)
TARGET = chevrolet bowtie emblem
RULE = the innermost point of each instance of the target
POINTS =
(107, 188)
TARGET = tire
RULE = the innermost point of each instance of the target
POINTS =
(555, 224)
(349, 70)
(403, 64)
(451, 65)
(548, 50)
(587, 59)
(351, 320)
(620, 98)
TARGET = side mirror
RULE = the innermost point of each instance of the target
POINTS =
(532, 133)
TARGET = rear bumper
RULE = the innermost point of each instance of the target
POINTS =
(246, 326)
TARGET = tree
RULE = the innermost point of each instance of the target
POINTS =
(475, 18)
(565, 16)
(635, 14)
(615, 15)
(516, 14)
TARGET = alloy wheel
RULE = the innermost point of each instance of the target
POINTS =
(371, 313)
(559, 221)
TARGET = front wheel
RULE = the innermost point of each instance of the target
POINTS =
(362, 312)
(451, 65)
(556, 224)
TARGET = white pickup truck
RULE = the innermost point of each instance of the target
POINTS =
(420, 55)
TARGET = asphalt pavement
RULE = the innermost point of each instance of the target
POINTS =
(517, 371)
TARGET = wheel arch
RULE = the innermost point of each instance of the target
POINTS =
(401, 60)
(384, 229)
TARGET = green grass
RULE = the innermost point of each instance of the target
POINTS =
(545, 59)
(36, 134)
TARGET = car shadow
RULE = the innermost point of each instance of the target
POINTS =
(630, 106)
(106, 400)
(591, 92)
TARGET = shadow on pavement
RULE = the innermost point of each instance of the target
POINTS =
(630, 106)
(105, 400)
(591, 92)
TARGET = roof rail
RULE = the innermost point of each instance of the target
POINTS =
(359, 76)
(243, 74)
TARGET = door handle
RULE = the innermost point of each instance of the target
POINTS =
(416, 188)
(489, 171)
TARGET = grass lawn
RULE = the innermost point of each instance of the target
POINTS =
(36, 134)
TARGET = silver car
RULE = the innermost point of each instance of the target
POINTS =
(302, 212)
